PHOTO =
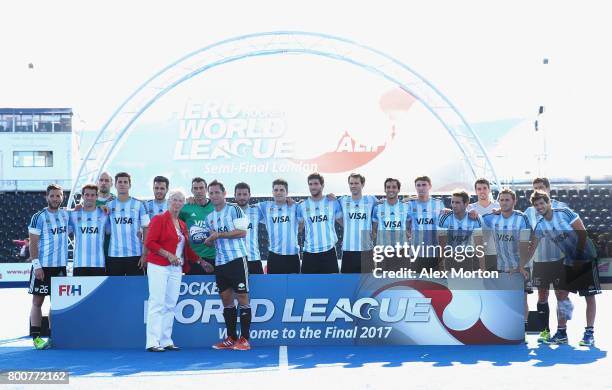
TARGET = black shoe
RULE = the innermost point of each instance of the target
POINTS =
(172, 348)
(155, 349)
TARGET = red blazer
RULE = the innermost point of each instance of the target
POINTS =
(161, 234)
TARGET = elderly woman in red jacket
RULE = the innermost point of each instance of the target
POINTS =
(168, 253)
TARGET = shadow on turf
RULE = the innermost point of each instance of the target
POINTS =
(129, 362)
(441, 356)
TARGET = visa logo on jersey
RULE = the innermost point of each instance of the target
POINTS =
(58, 230)
(357, 215)
(393, 224)
(69, 289)
(124, 220)
(505, 237)
(425, 221)
(280, 219)
(318, 218)
(222, 229)
(89, 229)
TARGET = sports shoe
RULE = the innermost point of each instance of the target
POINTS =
(228, 343)
(41, 344)
(557, 339)
(242, 345)
(544, 336)
(588, 340)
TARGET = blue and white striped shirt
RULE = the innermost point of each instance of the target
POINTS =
(282, 225)
(89, 231)
(546, 250)
(507, 235)
(125, 220)
(425, 220)
(357, 222)
(559, 230)
(53, 231)
(252, 237)
(154, 208)
(460, 232)
(319, 219)
(393, 221)
(225, 220)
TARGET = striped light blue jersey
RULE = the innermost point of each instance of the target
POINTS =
(392, 221)
(559, 230)
(89, 230)
(425, 219)
(125, 220)
(459, 232)
(546, 250)
(52, 229)
(154, 208)
(225, 220)
(319, 219)
(282, 225)
(507, 234)
(357, 222)
(487, 234)
(252, 237)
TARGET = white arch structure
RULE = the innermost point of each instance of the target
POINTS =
(279, 43)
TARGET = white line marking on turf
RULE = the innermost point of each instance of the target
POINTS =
(283, 359)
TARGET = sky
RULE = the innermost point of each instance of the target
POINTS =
(485, 56)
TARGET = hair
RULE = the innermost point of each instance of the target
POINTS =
(482, 180)
(507, 191)
(543, 180)
(161, 179)
(389, 179)
(89, 187)
(174, 193)
(105, 173)
(54, 186)
(357, 176)
(217, 183)
(198, 179)
(463, 195)
(280, 182)
(242, 186)
(537, 195)
(317, 176)
(123, 174)
(423, 178)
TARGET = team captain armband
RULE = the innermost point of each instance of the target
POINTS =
(241, 223)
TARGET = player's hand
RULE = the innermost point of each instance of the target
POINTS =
(142, 263)
(39, 274)
(78, 206)
(331, 196)
(524, 272)
(409, 235)
(190, 200)
(290, 201)
(207, 266)
(473, 214)
(139, 234)
(496, 211)
(210, 241)
(445, 211)
(103, 208)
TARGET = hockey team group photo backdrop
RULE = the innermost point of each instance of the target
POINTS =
(297, 310)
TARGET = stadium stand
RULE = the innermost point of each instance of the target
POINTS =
(592, 205)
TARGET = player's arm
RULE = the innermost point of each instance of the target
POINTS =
(524, 243)
(581, 232)
(144, 223)
(479, 247)
(34, 231)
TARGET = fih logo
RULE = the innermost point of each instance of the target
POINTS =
(70, 289)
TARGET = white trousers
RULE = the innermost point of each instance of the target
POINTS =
(164, 286)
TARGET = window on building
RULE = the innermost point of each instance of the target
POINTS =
(31, 159)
